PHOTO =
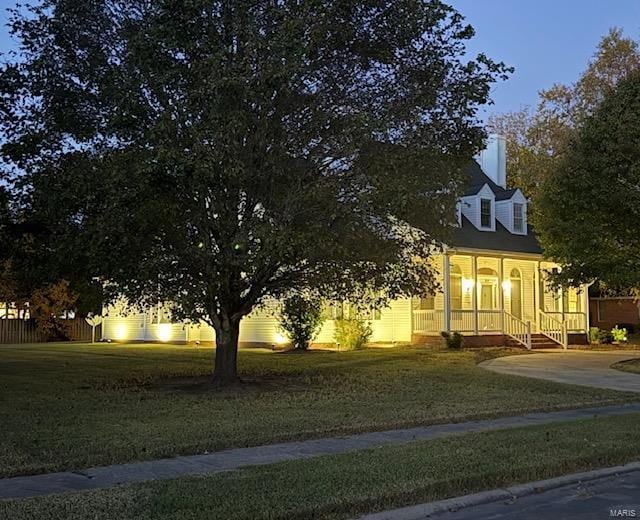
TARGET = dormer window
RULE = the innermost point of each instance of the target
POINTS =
(485, 213)
(518, 217)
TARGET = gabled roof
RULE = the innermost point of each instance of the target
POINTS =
(468, 236)
(477, 179)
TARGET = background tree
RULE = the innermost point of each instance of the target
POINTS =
(536, 138)
(589, 207)
(218, 154)
(48, 306)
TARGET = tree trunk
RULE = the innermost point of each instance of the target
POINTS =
(225, 371)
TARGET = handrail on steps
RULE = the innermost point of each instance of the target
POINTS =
(518, 329)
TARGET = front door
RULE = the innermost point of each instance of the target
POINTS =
(486, 296)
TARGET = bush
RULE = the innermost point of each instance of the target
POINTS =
(352, 333)
(605, 337)
(594, 335)
(301, 319)
(619, 334)
(453, 340)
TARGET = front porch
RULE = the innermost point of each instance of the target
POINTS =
(500, 295)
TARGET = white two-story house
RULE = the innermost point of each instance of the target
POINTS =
(492, 276)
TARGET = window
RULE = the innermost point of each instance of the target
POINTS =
(573, 300)
(485, 213)
(456, 287)
(345, 310)
(518, 217)
(515, 296)
(160, 313)
(426, 303)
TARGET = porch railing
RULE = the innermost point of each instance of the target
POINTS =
(553, 328)
(518, 329)
(428, 321)
(462, 321)
(489, 321)
(576, 321)
(495, 321)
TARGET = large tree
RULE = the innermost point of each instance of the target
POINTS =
(218, 153)
(536, 138)
(589, 208)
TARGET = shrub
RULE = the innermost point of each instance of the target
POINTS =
(605, 337)
(619, 334)
(594, 335)
(301, 319)
(352, 333)
(453, 340)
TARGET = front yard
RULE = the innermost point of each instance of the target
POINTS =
(72, 406)
(345, 486)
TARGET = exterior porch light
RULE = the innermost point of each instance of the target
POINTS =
(467, 284)
(506, 286)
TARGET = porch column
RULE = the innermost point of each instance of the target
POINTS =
(539, 296)
(447, 293)
(585, 307)
(474, 292)
(501, 292)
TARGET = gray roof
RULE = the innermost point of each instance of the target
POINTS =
(477, 179)
(468, 236)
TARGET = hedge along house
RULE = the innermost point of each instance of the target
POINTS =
(492, 276)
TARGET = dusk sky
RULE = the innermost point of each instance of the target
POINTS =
(547, 41)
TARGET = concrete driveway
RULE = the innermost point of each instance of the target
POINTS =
(576, 367)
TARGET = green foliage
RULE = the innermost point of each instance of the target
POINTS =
(453, 340)
(48, 305)
(619, 334)
(594, 335)
(192, 152)
(587, 213)
(605, 337)
(301, 319)
(352, 333)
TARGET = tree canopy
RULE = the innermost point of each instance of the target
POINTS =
(589, 207)
(217, 154)
(536, 138)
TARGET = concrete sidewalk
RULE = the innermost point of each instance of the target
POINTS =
(109, 476)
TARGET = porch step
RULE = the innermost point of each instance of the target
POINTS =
(537, 341)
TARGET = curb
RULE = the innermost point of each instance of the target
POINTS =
(422, 511)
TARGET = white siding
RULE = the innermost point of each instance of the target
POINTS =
(504, 212)
(471, 207)
(261, 326)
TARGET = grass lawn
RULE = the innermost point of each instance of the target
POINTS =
(345, 486)
(69, 406)
(630, 365)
